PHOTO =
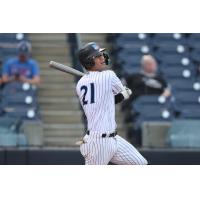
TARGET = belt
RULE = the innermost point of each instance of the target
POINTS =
(105, 134)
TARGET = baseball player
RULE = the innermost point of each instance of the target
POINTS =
(98, 91)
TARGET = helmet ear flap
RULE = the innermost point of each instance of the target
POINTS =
(106, 57)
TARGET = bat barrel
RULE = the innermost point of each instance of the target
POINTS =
(65, 68)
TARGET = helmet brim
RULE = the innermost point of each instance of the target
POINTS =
(102, 49)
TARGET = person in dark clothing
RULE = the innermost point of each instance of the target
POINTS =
(146, 82)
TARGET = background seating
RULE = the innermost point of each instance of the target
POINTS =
(18, 102)
(178, 57)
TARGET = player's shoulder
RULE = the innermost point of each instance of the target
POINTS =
(109, 73)
(81, 80)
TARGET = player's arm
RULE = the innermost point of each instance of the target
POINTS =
(125, 94)
(121, 92)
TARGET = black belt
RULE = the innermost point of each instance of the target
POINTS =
(104, 134)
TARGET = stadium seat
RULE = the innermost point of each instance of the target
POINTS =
(168, 36)
(16, 87)
(131, 49)
(178, 56)
(174, 59)
(183, 85)
(150, 100)
(133, 36)
(12, 37)
(133, 39)
(178, 73)
(19, 99)
(195, 55)
(154, 113)
(190, 112)
(194, 41)
(133, 60)
(188, 97)
(152, 108)
(168, 39)
(22, 112)
(175, 49)
(128, 69)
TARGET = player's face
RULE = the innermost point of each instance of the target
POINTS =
(99, 63)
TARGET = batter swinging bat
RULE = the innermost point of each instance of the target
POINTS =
(65, 68)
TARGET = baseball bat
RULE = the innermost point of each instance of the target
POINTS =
(65, 68)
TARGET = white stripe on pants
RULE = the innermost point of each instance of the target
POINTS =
(100, 151)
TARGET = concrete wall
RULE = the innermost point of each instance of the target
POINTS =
(69, 157)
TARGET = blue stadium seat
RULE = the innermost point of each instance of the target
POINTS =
(190, 112)
(12, 37)
(133, 36)
(174, 49)
(182, 85)
(174, 59)
(178, 73)
(154, 113)
(22, 112)
(152, 108)
(169, 37)
(132, 39)
(195, 55)
(151, 100)
(16, 87)
(128, 69)
(21, 98)
(194, 41)
(133, 60)
(188, 97)
(132, 49)
(10, 51)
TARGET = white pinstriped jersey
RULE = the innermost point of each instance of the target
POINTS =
(96, 92)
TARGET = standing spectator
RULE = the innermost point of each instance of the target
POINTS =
(22, 68)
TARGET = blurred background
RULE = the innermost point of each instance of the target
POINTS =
(40, 116)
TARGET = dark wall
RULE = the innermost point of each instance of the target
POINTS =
(68, 157)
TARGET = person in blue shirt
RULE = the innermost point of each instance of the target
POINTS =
(22, 68)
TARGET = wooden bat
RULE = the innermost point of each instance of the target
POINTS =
(65, 68)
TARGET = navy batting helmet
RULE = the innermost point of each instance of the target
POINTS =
(89, 52)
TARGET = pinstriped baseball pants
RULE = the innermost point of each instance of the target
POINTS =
(101, 151)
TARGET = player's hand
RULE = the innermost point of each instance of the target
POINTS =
(126, 92)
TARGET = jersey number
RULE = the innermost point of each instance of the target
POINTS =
(85, 88)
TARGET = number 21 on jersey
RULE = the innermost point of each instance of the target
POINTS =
(85, 89)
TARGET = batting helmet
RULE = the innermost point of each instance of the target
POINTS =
(89, 52)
